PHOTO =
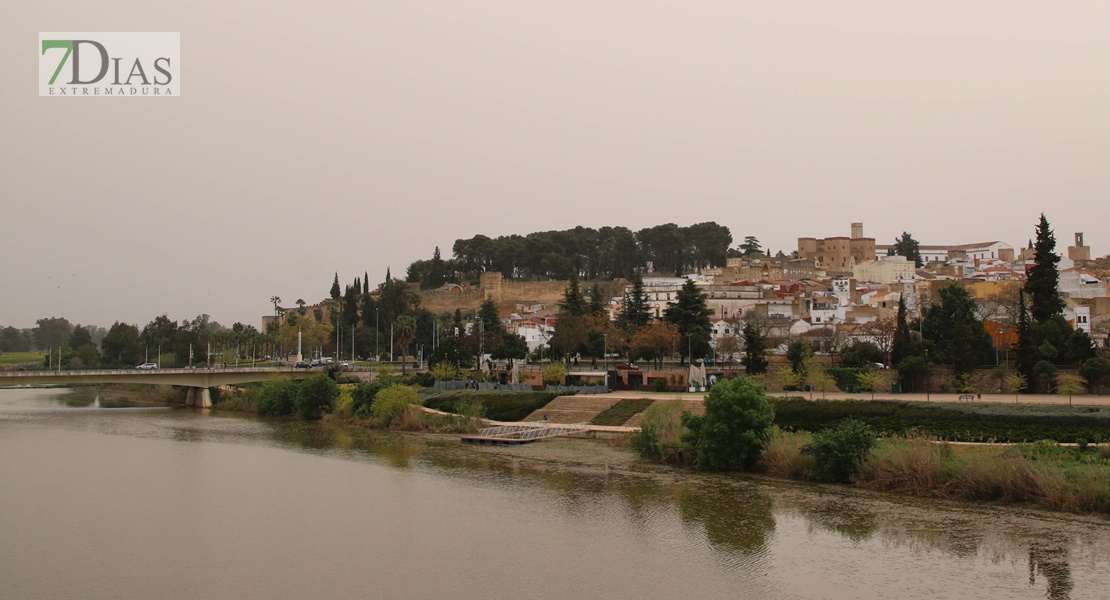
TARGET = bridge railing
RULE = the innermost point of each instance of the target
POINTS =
(185, 370)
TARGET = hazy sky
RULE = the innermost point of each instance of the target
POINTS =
(350, 136)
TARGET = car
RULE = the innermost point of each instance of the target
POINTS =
(316, 362)
(147, 366)
(877, 365)
(303, 365)
(344, 364)
(627, 367)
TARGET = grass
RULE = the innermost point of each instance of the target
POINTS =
(499, 406)
(968, 422)
(621, 412)
(1043, 474)
(17, 358)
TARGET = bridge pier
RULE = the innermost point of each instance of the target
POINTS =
(199, 397)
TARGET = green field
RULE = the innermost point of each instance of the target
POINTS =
(14, 358)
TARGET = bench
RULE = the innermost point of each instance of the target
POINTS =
(967, 397)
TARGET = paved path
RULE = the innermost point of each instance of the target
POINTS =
(1078, 400)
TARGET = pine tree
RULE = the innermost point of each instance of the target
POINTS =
(754, 346)
(597, 301)
(573, 302)
(335, 291)
(908, 247)
(1041, 284)
(691, 314)
(634, 309)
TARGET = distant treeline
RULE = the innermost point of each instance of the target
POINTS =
(606, 253)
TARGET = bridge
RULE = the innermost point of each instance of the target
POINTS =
(523, 433)
(197, 380)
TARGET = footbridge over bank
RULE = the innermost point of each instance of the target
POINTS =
(199, 381)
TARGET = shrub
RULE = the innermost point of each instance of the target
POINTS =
(660, 428)
(730, 434)
(445, 371)
(554, 373)
(420, 379)
(277, 397)
(645, 442)
(316, 396)
(362, 397)
(838, 452)
(392, 402)
(343, 402)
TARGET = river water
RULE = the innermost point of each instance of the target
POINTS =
(183, 503)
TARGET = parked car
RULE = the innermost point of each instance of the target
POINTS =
(147, 366)
(627, 367)
(303, 365)
(344, 364)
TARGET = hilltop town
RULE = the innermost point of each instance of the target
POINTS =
(832, 291)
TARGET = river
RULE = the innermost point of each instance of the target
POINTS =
(183, 503)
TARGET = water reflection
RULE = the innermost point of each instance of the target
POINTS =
(734, 521)
(733, 517)
(842, 516)
(1050, 561)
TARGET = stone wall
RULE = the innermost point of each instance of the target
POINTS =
(507, 293)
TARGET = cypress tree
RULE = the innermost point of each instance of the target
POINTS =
(335, 291)
(756, 361)
(1041, 283)
(365, 283)
(901, 345)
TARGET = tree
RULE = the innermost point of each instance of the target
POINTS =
(754, 348)
(553, 373)
(1097, 372)
(573, 303)
(404, 329)
(901, 343)
(1043, 278)
(1013, 383)
(121, 346)
(908, 247)
(335, 289)
(729, 436)
(654, 342)
(727, 345)
(301, 310)
(597, 306)
(634, 308)
(799, 352)
(451, 351)
(870, 380)
(953, 326)
(277, 398)
(691, 314)
(316, 397)
(838, 452)
(51, 333)
(1069, 383)
(750, 246)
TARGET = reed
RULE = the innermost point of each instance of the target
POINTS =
(782, 456)
(913, 465)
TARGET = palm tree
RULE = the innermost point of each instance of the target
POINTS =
(404, 328)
